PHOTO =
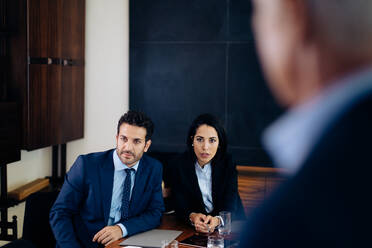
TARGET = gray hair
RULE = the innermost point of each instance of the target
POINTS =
(345, 25)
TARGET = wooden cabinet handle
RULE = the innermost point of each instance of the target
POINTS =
(44, 61)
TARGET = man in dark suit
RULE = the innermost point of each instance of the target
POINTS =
(317, 57)
(112, 194)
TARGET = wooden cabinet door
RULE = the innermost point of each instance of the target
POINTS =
(56, 72)
(47, 69)
(72, 108)
(44, 78)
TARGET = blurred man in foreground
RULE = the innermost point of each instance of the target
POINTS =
(317, 57)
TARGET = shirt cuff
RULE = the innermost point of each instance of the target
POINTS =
(123, 229)
(221, 220)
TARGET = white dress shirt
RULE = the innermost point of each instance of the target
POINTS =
(204, 176)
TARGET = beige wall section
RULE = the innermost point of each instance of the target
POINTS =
(32, 165)
(106, 94)
(106, 75)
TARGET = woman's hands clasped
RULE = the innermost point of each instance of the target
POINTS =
(204, 223)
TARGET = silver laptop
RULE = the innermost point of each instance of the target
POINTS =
(152, 238)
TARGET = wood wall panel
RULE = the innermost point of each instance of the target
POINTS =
(255, 184)
(252, 192)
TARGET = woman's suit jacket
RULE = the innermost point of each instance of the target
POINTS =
(186, 194)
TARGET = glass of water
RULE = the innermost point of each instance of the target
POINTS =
(215, 242)
(225, 227)
(173, 244)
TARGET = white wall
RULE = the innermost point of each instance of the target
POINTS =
(106, 75)
(106, 93)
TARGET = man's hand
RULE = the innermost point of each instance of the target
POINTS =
(108, 235)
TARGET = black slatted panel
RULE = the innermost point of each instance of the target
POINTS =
(189, 57)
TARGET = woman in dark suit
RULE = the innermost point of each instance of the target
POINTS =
(204, 178)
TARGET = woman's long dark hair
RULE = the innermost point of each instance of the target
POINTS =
(212, 121)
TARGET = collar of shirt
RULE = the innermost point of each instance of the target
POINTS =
(120, 165)
(290, 139)
(205, 170)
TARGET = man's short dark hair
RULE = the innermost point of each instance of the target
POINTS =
(139, 119)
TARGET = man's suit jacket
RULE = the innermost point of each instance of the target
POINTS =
(186, 194)
(326, 204)
(83, 205)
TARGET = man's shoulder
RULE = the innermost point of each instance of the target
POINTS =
(96, 156)
(363, 107)
(151, 161)
(346, 140)
(356, 118)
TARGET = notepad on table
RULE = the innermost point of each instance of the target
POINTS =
(151, 238)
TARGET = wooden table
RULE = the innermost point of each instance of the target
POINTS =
(168, 222)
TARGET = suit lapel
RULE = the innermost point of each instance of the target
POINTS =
(189, 170)
(107, 180)
(140, 180)
(216, 181)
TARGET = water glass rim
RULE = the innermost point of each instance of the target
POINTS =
(215, 237)
(224, 212)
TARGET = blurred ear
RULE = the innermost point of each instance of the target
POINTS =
(300, 17)
(147, 145)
